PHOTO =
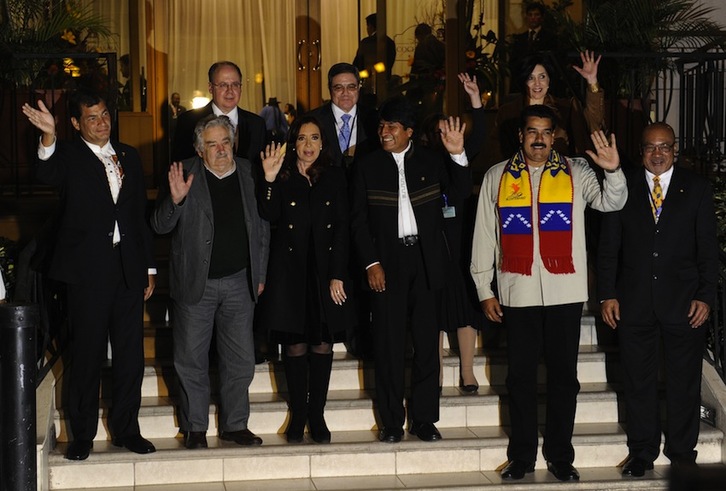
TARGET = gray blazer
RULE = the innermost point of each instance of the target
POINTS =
(192, 224)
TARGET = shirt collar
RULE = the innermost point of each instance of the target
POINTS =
(226, 174)
(338, 112)
(398, 157)
(664, 177)
(106, 149)
(232, 115)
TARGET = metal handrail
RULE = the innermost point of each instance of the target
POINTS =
(715, 350)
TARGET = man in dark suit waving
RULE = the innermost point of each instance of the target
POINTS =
(657, 275)
(103, 253)
(397, 227)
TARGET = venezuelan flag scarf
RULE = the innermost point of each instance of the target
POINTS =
(554, 210)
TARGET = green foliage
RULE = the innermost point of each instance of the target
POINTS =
(634, 33)
(45, 27)
(719, 199)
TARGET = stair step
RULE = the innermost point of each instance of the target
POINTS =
(350, 373)
(355, 453)
(353, 410)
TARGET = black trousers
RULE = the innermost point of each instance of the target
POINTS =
(683, 355)
(94, 315)
(407, 296)
(552, 331)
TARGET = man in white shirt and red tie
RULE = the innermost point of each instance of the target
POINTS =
(103, 254)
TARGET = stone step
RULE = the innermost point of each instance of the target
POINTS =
(158, 329)
(350, 373)
(353, 410)
(475, 451)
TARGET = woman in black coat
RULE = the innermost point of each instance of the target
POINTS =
(304, 306)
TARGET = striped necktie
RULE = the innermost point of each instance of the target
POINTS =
(656, 202)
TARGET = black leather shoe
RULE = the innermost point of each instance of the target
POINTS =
(79, 449)
(390, 435)
(516, 469)
(425, 431)
(241, 437)
(135, 443)
(636, 467)
(195, 439)
(563, 471)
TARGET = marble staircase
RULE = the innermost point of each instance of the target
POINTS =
(474, 429)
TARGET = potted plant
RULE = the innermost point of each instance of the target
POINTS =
(633, 35)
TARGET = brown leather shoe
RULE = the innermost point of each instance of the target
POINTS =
(241, 437)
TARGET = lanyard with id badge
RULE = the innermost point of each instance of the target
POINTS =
(449, 211)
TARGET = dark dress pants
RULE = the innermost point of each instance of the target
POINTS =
(555, 332)
(406, 296)
(683, 355)
(95, 315)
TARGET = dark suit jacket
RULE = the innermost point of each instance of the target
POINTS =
(84, 245)
(366, 132)
(312, 221)
(367, 54)
(192, 222)
(374, 220)
(655, 270)
(251, 130)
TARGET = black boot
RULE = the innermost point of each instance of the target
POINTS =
(296, 373)
(320, 366)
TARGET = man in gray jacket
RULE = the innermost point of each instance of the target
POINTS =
(218, 263)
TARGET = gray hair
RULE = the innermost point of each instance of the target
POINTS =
(211, 121)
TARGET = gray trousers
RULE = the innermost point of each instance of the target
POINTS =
(226, 306)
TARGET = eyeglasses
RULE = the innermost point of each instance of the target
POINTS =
(339, 89)
(663, 147)
(225, 86)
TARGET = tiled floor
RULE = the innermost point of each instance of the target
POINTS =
(591, 478)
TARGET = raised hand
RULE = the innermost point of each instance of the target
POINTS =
(452, 135)
(272, 160)
(471, 88)
(607, 151)
(177, 185)
(42, 119)
(589, 66)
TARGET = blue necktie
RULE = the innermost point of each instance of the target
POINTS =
(344, 135)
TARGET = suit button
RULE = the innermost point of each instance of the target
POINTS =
(327, 203)
(289, 249)
(110, 234)
(330, 248)
(292, 203)
(207, 242)
(655, 277)
(655, 254)
(290, 226)
(328, 226)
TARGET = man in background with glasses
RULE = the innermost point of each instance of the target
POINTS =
(657, 276)
(352, 129)
(225, 85)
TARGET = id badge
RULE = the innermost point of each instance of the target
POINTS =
(449, 211)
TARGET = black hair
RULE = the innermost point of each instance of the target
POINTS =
(536, 6)
(81, 98)
(537, 111)
(398, 109)
(339, 68)
(216, 66)
(372, 20)
(289, 162)
(527, 66)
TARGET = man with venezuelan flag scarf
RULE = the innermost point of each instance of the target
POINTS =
(530, 230)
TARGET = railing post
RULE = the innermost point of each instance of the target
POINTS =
(18, 372)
